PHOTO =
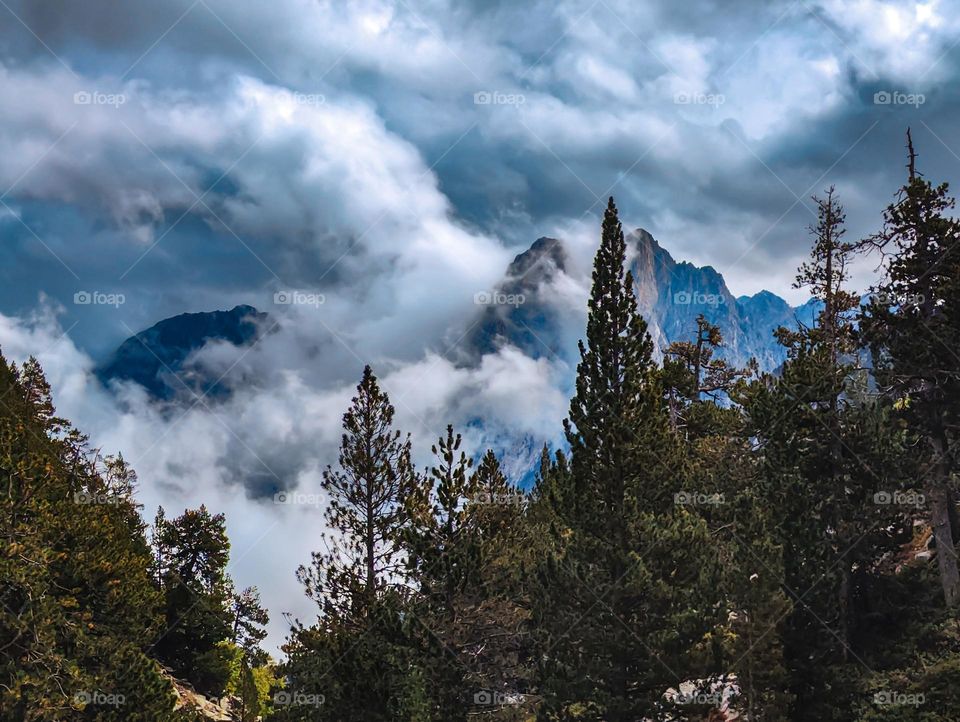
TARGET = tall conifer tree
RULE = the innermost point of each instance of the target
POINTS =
(630, 596)
(913, 329)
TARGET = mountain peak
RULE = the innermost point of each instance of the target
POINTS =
(647, 254)
(543, 249)
(643, 236)
(154, 357)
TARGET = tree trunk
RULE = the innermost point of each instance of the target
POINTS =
(942, 529)
(845, 594)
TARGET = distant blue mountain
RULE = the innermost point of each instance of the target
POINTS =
(156, 358)
(670, 295)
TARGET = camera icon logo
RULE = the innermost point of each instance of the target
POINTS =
(482, 98)
(682, 298)
(882, 97)
(82, 298)
(483, 697)
(882, 497)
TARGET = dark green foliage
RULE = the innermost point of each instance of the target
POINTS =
(77, 610)
(912, 326)
(195, 552)
(628, 595)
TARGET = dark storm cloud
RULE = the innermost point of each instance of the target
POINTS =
(598, 84)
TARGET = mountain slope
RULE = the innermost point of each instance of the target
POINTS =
(157, 357)
(670, 295)
(516, 311)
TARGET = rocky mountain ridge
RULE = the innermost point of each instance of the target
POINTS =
(526, 310)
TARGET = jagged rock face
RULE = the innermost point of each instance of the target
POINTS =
(155, 358)
(517, 311)
(670, 295)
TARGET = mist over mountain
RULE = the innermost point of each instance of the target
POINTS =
(524, 311)
(158, 358)
(535, 309)
(517, 311)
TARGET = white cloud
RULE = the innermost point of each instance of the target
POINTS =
(903, 39)
(280, 431)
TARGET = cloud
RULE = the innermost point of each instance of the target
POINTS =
(277, 435)
(294, 189)
(322, 118)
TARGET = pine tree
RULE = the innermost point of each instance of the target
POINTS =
(367, 511)
(614, 371)
(912, 326)
(442, 560)
(248, 621)
(626, 603)
(827, 450)
(693, 377)
(196, 591)
(357, 657)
